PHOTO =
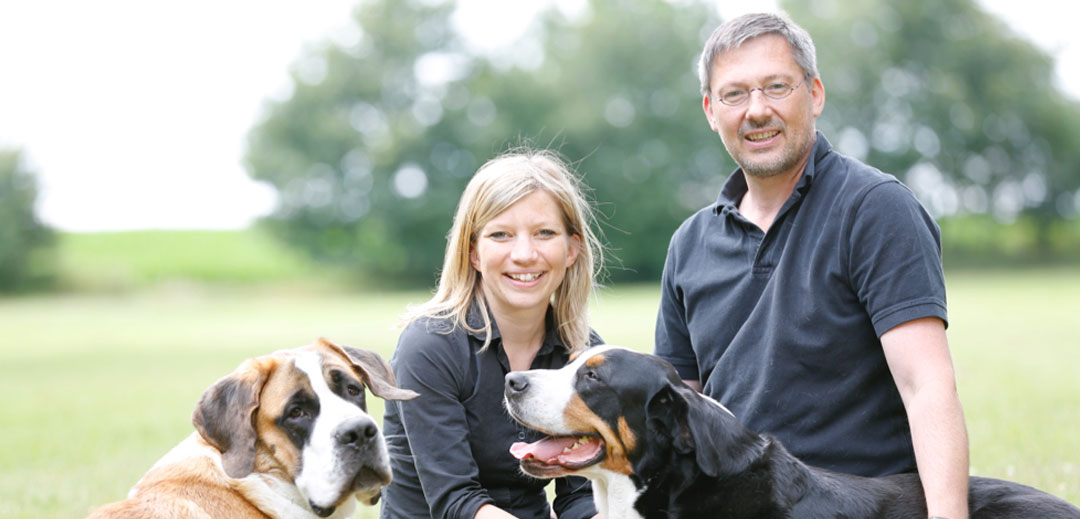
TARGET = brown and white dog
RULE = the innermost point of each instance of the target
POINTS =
(656, 449)
(285, 435)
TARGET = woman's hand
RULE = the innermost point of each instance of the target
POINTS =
(490, 511)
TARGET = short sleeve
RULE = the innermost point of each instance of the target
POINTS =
(894, 258)
(672, 341)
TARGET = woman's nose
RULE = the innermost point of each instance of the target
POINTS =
(524, 249)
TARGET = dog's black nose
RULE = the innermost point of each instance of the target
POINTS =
(516, 382)
(322, 511)
(356, 432)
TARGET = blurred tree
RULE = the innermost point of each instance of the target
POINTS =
(25, 244)
(371, 152)
(350, 152)
(384, 127)
(949, 99)
(620, 92)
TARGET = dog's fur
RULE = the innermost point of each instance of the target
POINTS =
(655, 448)
(285, 435)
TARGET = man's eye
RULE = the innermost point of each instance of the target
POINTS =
(777, 88)
(733, 95)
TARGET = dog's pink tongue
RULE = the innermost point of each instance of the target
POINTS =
(545, 450)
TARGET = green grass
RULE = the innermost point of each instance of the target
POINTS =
(1014, 337)
(100, 385)
(122, 261)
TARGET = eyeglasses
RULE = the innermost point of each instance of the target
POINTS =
(738, 96)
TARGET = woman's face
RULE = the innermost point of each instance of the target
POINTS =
(522, 255)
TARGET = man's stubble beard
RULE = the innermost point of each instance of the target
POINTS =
(793, 153)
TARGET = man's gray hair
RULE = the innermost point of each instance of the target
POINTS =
(733, 33)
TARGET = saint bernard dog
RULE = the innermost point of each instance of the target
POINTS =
(656, 449)
(286, 435)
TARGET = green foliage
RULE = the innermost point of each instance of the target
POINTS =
(619, 90)
(334, 148)
(101, 398)
(371, 158)
(372, 150)
(950, 100)
(979, 241)
(25, 243)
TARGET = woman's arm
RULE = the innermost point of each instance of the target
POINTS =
(435, 365)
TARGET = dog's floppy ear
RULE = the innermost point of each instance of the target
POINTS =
(377, 373)
(719, 443)
(225, 414)
(666, 414)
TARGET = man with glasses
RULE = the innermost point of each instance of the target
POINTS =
(810, 299)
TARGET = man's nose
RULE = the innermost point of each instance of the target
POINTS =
(758, 107)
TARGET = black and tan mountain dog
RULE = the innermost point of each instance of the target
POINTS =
(655, 448)
(285, 435)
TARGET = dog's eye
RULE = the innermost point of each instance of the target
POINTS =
(591, 375)
(296, 413)
(352, 390)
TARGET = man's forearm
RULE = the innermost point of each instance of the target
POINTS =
(918, 356)
(941, 450)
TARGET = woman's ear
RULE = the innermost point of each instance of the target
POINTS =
(474, 259)
(575, 249)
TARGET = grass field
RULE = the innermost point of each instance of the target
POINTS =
(99, 385)
(125, 261)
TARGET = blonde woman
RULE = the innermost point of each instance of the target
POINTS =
(513, 295)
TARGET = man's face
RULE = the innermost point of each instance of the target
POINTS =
(766, 137)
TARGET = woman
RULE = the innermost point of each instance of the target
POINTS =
(513, 295)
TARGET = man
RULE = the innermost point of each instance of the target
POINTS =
(810, 299)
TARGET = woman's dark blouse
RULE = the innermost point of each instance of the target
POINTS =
(450, 447)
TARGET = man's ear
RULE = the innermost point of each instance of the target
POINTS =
(817, 97)
(710, 116)
(225, 415)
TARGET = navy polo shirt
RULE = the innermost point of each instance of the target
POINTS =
(783, 326)
(450, 447)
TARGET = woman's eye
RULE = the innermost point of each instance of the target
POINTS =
(546, 233)
(499, 235)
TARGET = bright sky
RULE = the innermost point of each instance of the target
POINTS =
(134, 114)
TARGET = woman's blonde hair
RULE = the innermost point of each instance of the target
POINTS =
(495, 187)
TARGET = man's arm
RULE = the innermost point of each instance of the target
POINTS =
(918, 356)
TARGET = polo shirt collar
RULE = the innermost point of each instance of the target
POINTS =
(476, 325)
(735, 186)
